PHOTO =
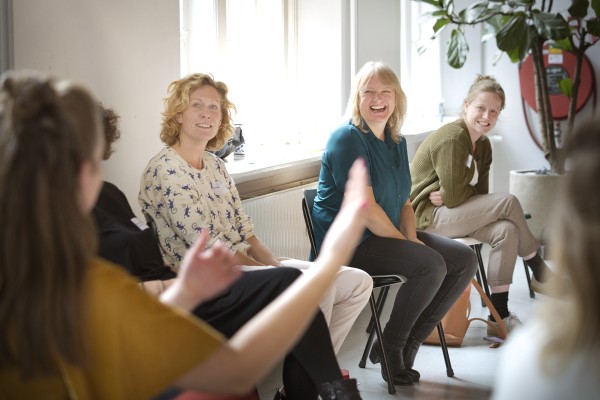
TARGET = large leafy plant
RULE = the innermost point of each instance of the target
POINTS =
(523, 27)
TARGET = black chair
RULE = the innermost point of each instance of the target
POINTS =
(383, 282)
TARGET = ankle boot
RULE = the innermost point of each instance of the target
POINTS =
(410, 352)
(341, 389)
(395, 358)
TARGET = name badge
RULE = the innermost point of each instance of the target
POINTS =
(469, 161)
(139, 224)
(219, 188)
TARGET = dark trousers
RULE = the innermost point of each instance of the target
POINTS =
(311, 362)
(437, 274)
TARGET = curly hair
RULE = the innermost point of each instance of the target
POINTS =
(178, 100)
(387, 77)
(110, 122)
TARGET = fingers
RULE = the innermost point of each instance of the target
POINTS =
(202, 240)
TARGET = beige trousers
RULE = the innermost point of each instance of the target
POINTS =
(344, 301)
(496, 219)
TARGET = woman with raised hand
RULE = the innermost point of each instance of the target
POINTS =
(75, 326)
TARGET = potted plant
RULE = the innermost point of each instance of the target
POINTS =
(522, 28)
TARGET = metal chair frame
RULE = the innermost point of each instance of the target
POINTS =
(383, 282)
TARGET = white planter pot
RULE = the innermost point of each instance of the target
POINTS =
(537, 194)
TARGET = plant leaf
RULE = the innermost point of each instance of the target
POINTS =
(566, 87)
(563, 44)
(435, 3)
(475, 12)
(593, 27)
(579, 8)
(514, 37)
(551, 26)
(457, 49)
(596, 7)
(439, 24)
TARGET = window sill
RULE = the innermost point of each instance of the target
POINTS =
(268, 169)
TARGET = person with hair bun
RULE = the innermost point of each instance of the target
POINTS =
(75, 326)
(450, 195)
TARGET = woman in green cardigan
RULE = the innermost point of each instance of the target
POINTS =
(450, 193)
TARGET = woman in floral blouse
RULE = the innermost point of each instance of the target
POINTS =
(185, 189)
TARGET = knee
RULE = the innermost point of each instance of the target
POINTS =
(469, 263)
(357, 279)
(503, 230)
(436, 267)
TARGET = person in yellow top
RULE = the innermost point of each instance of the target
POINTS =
(74, 326)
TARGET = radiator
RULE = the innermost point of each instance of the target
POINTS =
(279, 223)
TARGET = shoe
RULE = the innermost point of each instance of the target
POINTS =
(341, 389)
(400, 376)
(279, 395)
(410, 353)
(511, 322)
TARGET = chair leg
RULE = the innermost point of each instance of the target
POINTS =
(381, 298)
(377, 331)
(481, 273)
(528, 276)
(449, 370)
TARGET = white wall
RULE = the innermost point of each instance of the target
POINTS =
(126, 52)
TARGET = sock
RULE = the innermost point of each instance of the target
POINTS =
(500, 303)
(538, 267)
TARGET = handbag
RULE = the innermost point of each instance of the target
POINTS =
(457, 321)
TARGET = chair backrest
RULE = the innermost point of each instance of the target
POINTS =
(307, 205)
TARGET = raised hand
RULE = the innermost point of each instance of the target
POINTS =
(203, 273)
(347, 228)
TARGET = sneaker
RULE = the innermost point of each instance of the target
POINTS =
(511, 322)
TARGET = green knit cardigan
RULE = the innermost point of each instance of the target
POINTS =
(442, 163)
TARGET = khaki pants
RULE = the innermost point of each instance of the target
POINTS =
(496, 219)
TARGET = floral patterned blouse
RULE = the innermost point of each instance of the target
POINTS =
(183, 200)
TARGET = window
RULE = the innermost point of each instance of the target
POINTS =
(420, 73)
(288, 63)
(251, 46)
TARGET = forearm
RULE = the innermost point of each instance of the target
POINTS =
(156, 287)
(260, 252)
(408, 221)
(256, 348)
(378, 222)
(243, 259)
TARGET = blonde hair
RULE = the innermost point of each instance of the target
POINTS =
(484, 84)
(577, 255)
(387, 77)
(178, 100)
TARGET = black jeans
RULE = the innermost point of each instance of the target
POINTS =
(437, 274)
(311, 362)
